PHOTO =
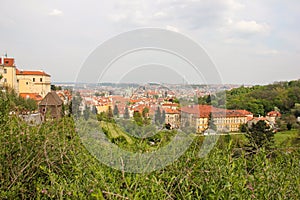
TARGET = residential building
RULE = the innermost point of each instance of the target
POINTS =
(172, 118)
(198, 116)
(33, 82)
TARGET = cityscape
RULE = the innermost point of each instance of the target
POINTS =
(163, 99)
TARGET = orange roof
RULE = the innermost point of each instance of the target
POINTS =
(204, 111)
(274, 114)
(170, 104)
(171, 111)
(39, 73)
(33, 96)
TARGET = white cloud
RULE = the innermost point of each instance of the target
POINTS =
(244, 28)
(251, 27)
(56, 12)
(191, 14)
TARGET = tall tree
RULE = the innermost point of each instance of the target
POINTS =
(163, 117)
(157, 116)
(110, 114)
(260, 135)
(94, 110)
(86, 112)
(211, 124)
(126, 113)
(116, 111)
(138, 118)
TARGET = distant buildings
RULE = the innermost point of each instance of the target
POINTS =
(198, 117)
(30, 84)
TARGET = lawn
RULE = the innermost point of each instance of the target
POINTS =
(285, 138)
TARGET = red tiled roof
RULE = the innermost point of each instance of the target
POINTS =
(274, 114)
(171, 111)
(204, 111)
(39, 73)
(33, 96)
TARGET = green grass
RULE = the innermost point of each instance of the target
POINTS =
(285, 138)
(115, 131)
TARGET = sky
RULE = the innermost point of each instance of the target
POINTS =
(249, 41)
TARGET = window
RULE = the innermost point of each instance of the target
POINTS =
(26, 83)
(33, 79)
(41, 80)
(5, 80)
(5, 71)
(17, 80)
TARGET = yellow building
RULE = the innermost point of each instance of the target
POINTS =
(172, 118)
(9, 77)
(28, 82)
(198, 117)
(33, 82)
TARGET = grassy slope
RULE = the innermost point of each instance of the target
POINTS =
(49, 161)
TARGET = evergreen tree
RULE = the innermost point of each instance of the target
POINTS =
(211, 124)
(86, 112)
(260, 135)
(208, 100)
(110, 114)
(163, 117)
(138, 118)
(116, 111)
(157, 116)
(94, 110)
(126, 113)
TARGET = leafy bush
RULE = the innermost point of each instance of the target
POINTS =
(49, 161)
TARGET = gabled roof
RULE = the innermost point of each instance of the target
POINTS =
(38, 73)
(51, 99)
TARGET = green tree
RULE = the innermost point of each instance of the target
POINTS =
(76, 101)
(157, 116)
(86, 112)
(94, 110)
(126, 113)
(260, 135)
(110, 114)
(116, 111)
(211, 124)
(163, 117)
(138, 118)
(208, 100)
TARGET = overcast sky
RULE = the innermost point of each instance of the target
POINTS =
(250, 41)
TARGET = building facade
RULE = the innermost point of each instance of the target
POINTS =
(198, 117)
(37, 82)
(24, 82)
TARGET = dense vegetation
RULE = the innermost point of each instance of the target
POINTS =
(13, 102)
(49, 161)
(260, 100)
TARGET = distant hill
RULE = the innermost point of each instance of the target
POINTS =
(262, 99)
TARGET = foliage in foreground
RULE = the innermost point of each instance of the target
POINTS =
(49, 161)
